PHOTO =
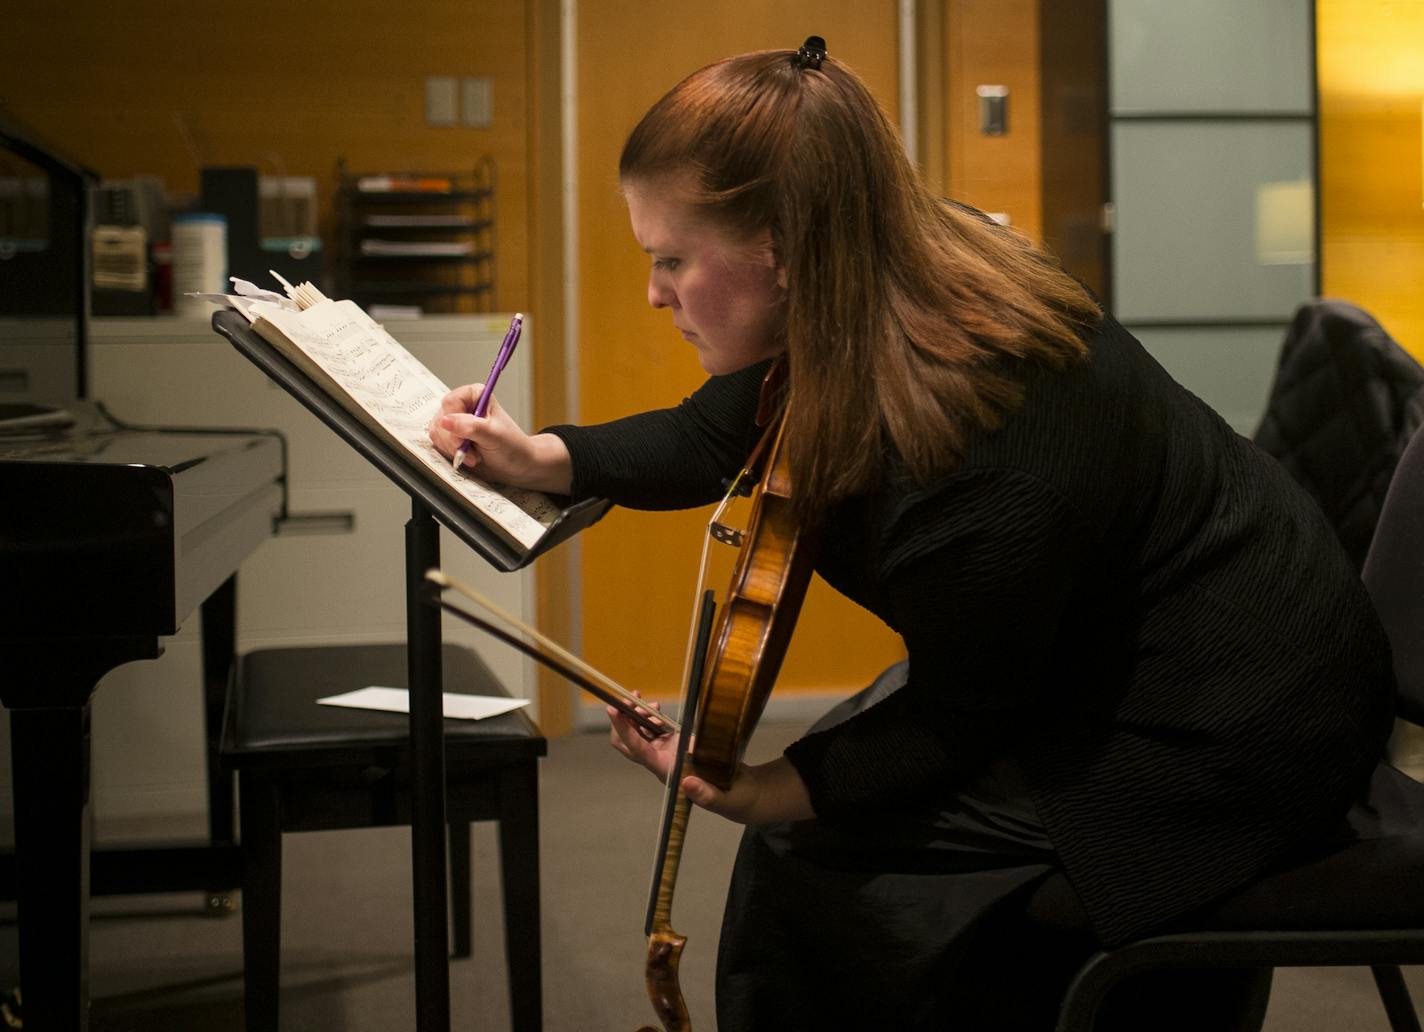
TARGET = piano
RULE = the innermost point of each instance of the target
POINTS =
(110, 538)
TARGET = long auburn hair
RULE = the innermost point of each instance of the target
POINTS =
(903, 312)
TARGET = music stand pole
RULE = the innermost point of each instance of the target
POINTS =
(427, 775)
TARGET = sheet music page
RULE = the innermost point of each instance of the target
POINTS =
(401, 395)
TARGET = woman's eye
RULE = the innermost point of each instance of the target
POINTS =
(665, 264)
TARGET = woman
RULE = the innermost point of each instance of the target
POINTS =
(1140, 671)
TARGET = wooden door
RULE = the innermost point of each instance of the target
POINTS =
(637, 569)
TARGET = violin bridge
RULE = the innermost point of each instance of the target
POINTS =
(726, 535)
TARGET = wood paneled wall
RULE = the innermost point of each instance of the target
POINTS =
(994, 42)
(1047, 172)
(554, 573)
(159, 88)
(1371, 79)
(1072, 70)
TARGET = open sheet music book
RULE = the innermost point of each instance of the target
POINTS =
(367, 373)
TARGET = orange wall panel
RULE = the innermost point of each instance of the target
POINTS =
(148, 87)
(638, 569)
(1371, 82)
(995, 42)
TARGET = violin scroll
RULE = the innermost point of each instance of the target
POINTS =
(664, 956)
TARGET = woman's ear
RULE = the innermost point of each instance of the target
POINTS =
(765, 251)
(776, 262)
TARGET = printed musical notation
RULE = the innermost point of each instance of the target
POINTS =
(388, 388)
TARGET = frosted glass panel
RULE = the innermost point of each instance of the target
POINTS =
(1210, 55)
(1214, 220)
(1229, 369)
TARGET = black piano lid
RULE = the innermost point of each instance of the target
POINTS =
(109, 530)
(171, 452)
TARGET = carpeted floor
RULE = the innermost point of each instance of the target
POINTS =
(158, 964)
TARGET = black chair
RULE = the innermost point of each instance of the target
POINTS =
(1360, 904)
(308, 767)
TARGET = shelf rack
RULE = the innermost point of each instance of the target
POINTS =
(419, 239)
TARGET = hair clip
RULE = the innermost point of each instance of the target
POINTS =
(811, 54)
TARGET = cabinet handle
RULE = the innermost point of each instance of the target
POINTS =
(315, 523)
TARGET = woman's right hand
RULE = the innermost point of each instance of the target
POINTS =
(499, 450)
(759, 793)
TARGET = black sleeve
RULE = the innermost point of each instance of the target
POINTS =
(671, 458)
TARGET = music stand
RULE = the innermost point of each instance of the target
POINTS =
(423, 637)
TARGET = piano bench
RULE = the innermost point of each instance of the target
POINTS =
(307, 767)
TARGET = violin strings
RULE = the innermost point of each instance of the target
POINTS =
(716, 518)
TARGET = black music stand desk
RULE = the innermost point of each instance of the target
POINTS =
(422, 552)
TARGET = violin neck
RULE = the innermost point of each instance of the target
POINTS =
(676, 806)
(672, 857)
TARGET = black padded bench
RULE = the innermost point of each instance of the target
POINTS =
(308, 767)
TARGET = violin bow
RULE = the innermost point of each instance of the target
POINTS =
(651, 723)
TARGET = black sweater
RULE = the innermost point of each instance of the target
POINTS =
(1115, 590)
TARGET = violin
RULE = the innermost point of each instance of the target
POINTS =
(733, 676)
(754, 625)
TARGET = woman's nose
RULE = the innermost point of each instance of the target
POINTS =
(659, 296)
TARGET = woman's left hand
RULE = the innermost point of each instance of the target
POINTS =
(759, 794)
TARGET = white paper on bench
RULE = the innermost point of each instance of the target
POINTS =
(397, 700)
